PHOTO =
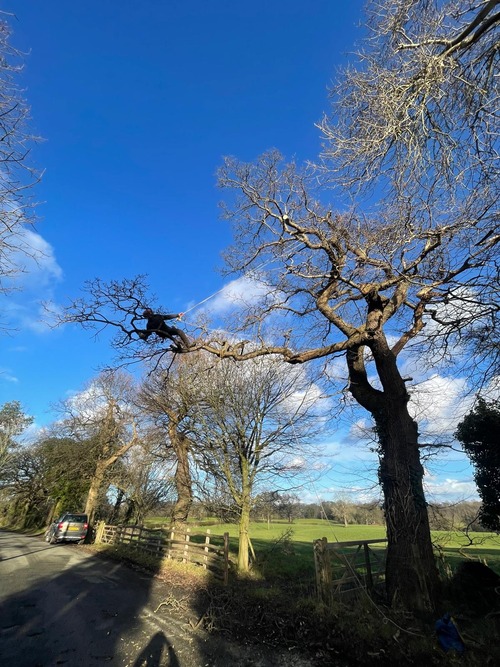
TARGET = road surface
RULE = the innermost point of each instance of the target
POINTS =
(60, 605)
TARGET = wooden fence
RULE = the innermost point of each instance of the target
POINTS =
(209, 551)
(346, 569)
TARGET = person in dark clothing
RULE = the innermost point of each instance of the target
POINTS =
(156, 324)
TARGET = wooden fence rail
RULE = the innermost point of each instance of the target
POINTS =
(209, 551)
(348, 568)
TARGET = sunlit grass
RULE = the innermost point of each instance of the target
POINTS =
(269, 540)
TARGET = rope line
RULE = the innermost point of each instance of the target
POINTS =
(257, 268)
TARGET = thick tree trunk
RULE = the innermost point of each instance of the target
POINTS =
(183, 481)
(411, 574)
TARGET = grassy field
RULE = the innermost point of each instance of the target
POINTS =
(285, 549)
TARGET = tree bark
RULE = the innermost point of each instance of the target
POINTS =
(116, 508)
(411, 573)
(182, 478)
(244, 541)
(95, 486)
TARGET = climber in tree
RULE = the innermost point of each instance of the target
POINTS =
(156, 324)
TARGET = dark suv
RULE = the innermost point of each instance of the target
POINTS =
(70, 527)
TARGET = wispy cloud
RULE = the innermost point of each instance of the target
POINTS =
(39, 273)
(449, 489)
(238, 293)
(6, 376)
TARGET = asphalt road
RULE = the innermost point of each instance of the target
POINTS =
(60, 605)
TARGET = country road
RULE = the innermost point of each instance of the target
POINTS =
(60, 605)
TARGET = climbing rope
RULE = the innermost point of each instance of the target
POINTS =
(292, 250)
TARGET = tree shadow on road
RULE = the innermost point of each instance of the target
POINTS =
(65, 606)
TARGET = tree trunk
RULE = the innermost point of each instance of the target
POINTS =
(116, 508)
(411, 573)
(95, 487)
(183, 481)
(244, 540)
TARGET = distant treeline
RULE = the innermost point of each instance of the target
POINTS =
(285, 507)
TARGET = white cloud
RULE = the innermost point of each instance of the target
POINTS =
(439, 403)
(236, 294)
(6, 376)
(36, 260)
(449, 489)
(34, 284)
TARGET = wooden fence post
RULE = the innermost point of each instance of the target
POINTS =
(171, 545)
(226, 558)
(368, 565)
(207, 542)
(323, 569)
(185, 558)
(159, 537)
(139, 538)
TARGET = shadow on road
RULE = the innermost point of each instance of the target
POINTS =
(66, 607)
(155, 651)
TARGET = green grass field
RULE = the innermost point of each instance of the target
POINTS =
(284, 549)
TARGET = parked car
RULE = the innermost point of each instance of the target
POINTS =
(70, 528)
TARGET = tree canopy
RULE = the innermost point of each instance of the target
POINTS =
(478, 433)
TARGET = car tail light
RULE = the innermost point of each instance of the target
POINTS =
(60, 525)
(85, 526)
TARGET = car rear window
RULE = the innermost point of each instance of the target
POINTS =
(76, 518)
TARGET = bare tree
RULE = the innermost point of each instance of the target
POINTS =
(168, 397)
(118, 305)
(414, 124)
(254, 422)
(145, 481)
(16, 175)
(103, 418)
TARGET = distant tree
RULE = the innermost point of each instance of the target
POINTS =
(65, 473)
(313, 511)
(169, 397)
(13, 421)
(368, 514)
(24, 494)
(106, 422)
(479, 434)
(342, 510)
(289, 506)
(145, 481)
(265, 505)
(46, 478)
(253, 422)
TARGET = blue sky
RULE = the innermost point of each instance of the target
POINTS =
(137, 103)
